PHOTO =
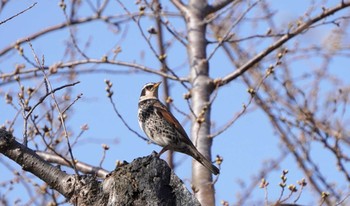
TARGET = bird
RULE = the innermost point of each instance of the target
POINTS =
(163, 129)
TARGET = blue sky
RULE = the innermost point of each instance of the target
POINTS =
(245, 147)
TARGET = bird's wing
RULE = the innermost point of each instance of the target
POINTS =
(162, 111)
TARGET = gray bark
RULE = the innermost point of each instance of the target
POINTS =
(146, 181)
(30, 161)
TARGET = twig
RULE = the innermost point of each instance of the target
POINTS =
(299, 194)
(71, 104)
(190, 108)
(57, 107)
(110, 94)
(290, 195)
(124, 122)
(180, 111)
(281, 195)
(245, 106)
(167, 25)
(71, 33)
(343, 200)
(83, 129)
(46, 95)
(103, 155)
(159, 57)
(8, 19)
(82, 20)
(16, 116)
(48, 145)
(102, 7)
(266, 196)
(230, 28)
(249, 38)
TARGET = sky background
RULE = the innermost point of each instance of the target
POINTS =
(245, 147)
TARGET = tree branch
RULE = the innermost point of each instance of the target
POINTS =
(300, 29)
(31, 162)
(81, 166)
(217, 5)
(60, 65)
(180, 6)
(21, 12)
(46, 31)
(71, 23)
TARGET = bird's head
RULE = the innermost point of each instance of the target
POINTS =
(150, 91)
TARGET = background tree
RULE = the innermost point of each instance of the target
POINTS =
(280, 73)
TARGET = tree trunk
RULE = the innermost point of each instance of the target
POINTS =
(201, 90)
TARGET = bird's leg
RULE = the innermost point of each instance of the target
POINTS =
(154, 154)
(163, 150)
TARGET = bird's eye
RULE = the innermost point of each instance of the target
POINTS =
(149, 87)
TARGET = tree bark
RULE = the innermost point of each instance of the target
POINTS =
(147, 181)
(31, 162)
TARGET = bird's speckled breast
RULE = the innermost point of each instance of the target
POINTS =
(156, 127)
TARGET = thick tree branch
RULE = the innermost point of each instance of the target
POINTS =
(31, 162)
(180, 6)
(217, 5)
(300, 29)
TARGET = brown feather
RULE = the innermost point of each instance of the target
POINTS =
(164, 112)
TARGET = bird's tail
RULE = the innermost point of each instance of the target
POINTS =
(206, 163)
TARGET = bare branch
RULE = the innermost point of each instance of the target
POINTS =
(8, 19)
(62, 25)
(226, 34)
(71, 104)
(159, 57)
(343, 200)
(300, 29)
(252, 92)
(102, 7)
(180, 6)
(109, 95)
(71, 33)
(46, 31)
(96, 61)
(46, 95)
(81, 166)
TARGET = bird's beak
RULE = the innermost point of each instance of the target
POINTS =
(156, 85)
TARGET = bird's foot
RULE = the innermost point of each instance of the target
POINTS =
(155, 154)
